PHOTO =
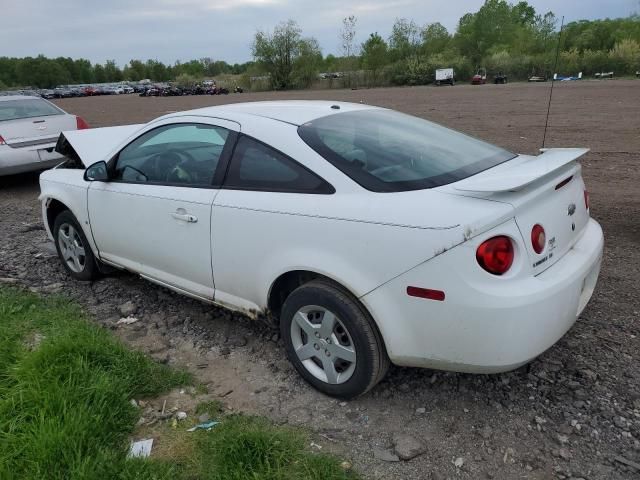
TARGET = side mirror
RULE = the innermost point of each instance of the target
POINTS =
(98, 172)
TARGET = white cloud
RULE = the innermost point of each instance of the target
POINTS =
(223, 29)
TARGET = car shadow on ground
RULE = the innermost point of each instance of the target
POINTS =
(21, 181)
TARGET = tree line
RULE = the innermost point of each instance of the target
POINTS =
(503, 37)
(43, 72)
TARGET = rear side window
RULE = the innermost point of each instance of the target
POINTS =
(256, 166)
(27, 108)
(387, 151)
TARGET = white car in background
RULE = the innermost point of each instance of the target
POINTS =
(29, 130)
(369, 235)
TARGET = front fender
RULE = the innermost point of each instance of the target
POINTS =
(67, 187)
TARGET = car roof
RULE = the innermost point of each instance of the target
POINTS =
(296, 112)
(5, 98)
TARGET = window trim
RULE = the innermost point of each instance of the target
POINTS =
(325, 189)
(215, 183)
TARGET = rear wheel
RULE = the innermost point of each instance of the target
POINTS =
(73, 249)
(332, 341)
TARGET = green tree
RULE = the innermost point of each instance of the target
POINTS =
(280, 52)
(435, 38)
(308, 62)
(375, 54)
(405, 39)
(111, 71)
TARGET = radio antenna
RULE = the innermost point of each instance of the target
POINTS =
(553, 80)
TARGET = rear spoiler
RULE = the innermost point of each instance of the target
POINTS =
(520, 172)
(94, 144)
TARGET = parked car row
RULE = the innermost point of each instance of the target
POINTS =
(176, 91)
(73, 91)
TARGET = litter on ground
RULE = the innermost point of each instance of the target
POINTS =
(127, 320)
(203, 426)
(141, 448)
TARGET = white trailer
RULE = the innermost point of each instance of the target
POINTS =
(445, 75)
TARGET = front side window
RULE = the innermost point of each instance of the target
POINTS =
(387, 151)
(256, 166)
(27, 108)
(179, 154)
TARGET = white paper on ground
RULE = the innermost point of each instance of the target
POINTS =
(141, 448)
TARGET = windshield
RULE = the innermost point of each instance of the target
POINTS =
(26, 108)
(387, 151)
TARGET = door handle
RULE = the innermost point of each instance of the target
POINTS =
(184, 217)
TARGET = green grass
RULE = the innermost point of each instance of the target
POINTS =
(65, 412)
(252, 448)
(64, 404)
(213, 407)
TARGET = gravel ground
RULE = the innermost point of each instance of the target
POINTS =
(572, 413)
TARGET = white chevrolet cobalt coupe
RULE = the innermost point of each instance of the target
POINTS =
(370, 235)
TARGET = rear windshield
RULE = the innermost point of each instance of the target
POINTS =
(387, 151)
(26, 108)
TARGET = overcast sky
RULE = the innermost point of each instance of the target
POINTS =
(171, 30)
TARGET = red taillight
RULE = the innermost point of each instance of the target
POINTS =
(538, 238)
(2, 142)
(81, 124)
(495, 255)
(586, 199)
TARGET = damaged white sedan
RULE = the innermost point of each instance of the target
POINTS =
(370, 235)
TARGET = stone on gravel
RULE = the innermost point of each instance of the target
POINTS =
(127, 309)
(421, 411)
(174, 321)
(385, 455)
(486, 432)
(128, 320)
(238, 341)
(299, 416)
(458, 462)
(407, 446)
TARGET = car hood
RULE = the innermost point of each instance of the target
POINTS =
(94, 144)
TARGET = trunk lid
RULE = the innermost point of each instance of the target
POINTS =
(27, 132)
(547, 190)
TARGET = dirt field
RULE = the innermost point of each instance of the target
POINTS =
(572, 413)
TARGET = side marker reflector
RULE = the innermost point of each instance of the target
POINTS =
(426, 293)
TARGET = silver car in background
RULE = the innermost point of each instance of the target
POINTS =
(29, 130)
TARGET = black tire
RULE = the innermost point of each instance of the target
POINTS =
(372, 361)
(87, 268)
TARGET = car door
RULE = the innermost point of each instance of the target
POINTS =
(154, 215)
(260, 184)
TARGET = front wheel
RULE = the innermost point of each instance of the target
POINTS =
(73, 249)
(332, 341)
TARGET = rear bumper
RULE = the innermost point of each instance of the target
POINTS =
(485, 324)
(27, 159)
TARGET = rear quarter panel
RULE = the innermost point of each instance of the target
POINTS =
(257, 236)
